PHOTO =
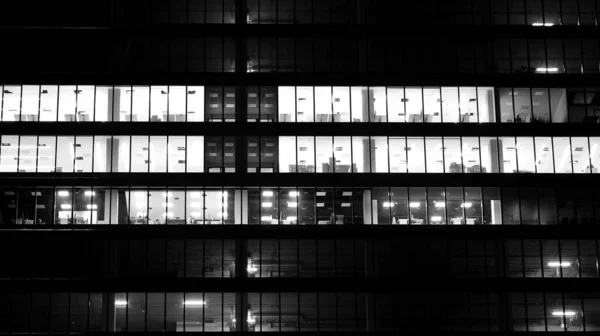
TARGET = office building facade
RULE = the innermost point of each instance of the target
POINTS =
(335, 166)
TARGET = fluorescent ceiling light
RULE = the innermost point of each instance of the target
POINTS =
(440, 205)
(292, 204)
(267, 204)
(436, 218)
(546, 69)
(90, 193)
(541, 24)
(415, 204)
(565, 313)
(267, 193)
(559, 264)
(467, 205)
(92, 206)
(292, 218)
(266, 218)
(293, 194)
(120, 303)
(63, 193)
(194, 303)
(65, 206)
(388, 204)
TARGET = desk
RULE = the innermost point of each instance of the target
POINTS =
(415, 118)
(323, 117)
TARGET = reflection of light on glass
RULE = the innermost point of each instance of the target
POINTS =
(92, 206)
(440, 205)
(63, 193)
(436, 218)
(65, 206)
(120, 303)
(565, 313)
(388, 204)
(266, 218)
(415, 204)
(267, 204)
(467, 205)
(292, 218)
(250, 319)
(90, 193)
(559, 264)
(292, 204)
(293, 194)
(267, 193)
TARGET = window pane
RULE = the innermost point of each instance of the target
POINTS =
(28, 154)
(396, 104)
(177, 103)
(306, 155)
(435, 155)
(486, 105)
(341, 104)
(361, 155)
(67, 103)
(48, 102)
(159, 96)
(141, 105)
(10, 152)
(195, 154)
(286, 103)
(525, 153)
(325, 161)
(195, 103)
(305, 101)
(416, 155)
(379, 155)
(65, 156)
(323, 106)
(414, 104)
(397, 155)
(102, 154)
(85, 103)
(45, 154)
(543, 155)
(508, 155)
(417, 206)
(581, 155)
(433, 104)
(450, 105)
(141, 153)
(562, 155)
(507, 114)
(104, 105)
(453, 155)
(158, 154)
(30, 103)
(83, 154)
(11, 100)
(177, 154)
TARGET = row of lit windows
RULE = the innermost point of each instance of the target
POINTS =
(292, 311)
(544, 13)
(300, 258)
(298, 206)
(304, 154)
(398, 104)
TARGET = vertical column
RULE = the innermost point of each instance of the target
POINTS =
(114, 103)
(497, 158)
(241, 298)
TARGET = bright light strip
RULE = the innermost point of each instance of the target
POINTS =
(388, 204)
(294, 194)
(292, 204)
(194, 303)
(440, 205)
(90, 193)
(292, 218)
(566, 313)
(546, 69)
(266, 218)
(467, 205)
(541, 24)
(267, 204)
(559, 264)
(267, 193)
(92, 206)
(120, 303)
(415, 204)
(436, 218)
(63, 193)
(65, 206)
